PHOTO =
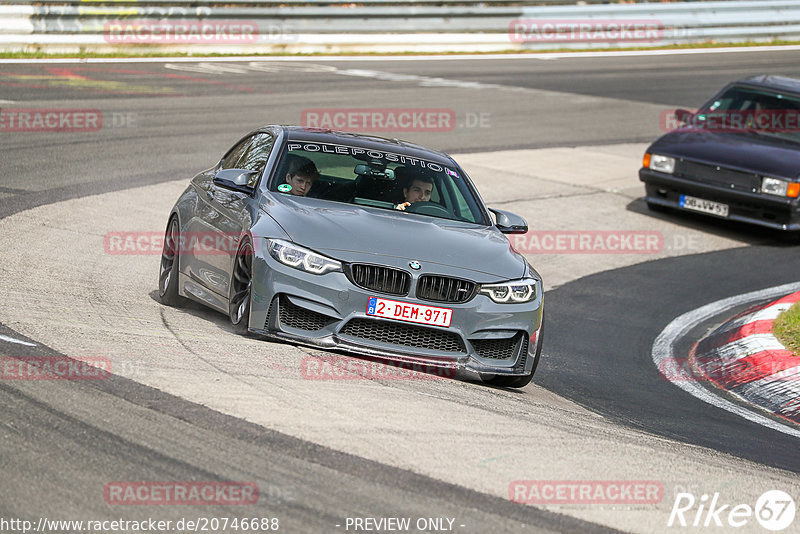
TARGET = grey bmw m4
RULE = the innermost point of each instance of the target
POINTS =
(373, 246)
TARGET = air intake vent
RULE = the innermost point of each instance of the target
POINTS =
(380, 279)
(496, 349)
(445, 289)
(302, 318)
(405, 335)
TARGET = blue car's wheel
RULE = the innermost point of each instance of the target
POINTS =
(241, 285)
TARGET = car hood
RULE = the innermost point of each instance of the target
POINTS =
(357, 233)
(741, 150)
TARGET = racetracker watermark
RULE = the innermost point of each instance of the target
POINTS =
(719, 371)
(152, 243)
(181, 31)
(181, 493)
(50, 120)
(54, 368)
(588, 242)
(380, 119)
(769, 120)
(64, 120)
(585, 31)
(344, 368)
(586, 491)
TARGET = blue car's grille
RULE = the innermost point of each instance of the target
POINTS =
(738, 180)
(380, 279)
(404, 334)
(445, 289)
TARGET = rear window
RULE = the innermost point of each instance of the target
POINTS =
(379, 179)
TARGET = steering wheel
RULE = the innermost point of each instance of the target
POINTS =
(429, 208)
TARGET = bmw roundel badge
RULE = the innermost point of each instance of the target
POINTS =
(415, 265)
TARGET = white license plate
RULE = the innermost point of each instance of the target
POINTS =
(412, 313)
(704, 206)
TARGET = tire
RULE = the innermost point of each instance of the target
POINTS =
(170, 266)
(657, 208)
(241, 288)
(791, 238)
(520, 381)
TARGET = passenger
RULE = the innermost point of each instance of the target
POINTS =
(419, 189)
(301, 175)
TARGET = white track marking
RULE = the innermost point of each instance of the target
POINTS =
(664, 345)
(767, 314)
(17, 341)
(747, 346)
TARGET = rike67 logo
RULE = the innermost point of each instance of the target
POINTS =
(774, 510)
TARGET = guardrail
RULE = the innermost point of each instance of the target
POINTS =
(269, 26)
(243, 3)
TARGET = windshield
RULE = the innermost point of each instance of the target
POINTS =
(753, 110)
(380, 179)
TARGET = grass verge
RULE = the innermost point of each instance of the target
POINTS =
(787, 328)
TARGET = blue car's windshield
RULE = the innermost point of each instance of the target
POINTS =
(748, 109)
(381, 179)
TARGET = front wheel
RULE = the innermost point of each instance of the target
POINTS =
(168, 271)
(524, 380)
(657, 208)
(241, 287)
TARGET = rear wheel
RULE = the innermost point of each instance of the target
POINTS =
(168, 271)
(524, 380)
(241, 287)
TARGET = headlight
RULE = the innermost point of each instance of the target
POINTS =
(662, 163)
(513, 292)
(301, 258)
(778, 187)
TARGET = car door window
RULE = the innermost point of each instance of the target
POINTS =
(231, 160)
(257, 153)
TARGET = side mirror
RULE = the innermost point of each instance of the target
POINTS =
(683, 115)
(509, 223)
(236, 179)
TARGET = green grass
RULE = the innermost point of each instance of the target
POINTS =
(86, 53)
(787, 328)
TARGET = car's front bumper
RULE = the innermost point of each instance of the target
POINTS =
(753, 208)
(328, 311)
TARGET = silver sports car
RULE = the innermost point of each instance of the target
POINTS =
(374, 246)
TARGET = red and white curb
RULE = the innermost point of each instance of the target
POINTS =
(769, 383)
(743, 357)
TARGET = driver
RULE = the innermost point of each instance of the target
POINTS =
(419, 189)
(302, 175)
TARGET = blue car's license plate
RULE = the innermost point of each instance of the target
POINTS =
(704, 206)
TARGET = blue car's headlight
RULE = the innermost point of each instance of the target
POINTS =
(301, 258)
(514, 292)
(660, 163)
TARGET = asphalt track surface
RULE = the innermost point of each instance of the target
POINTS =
(62, 441)
(633, 305)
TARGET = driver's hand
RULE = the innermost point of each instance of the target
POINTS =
(402, 206)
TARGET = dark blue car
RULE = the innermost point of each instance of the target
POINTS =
(737, 157)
